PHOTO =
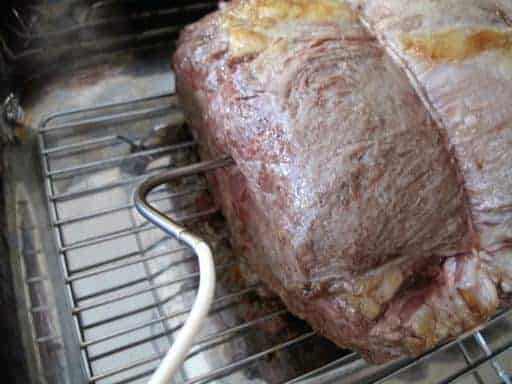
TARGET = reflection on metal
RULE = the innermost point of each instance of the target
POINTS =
(181, 346)
(65, 35)
(489, 354)
(12, 111)
(11, 116)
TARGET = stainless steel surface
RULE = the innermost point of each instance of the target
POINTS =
(62, 35)
(102, 292)
(12, 111)
(11, 115)
(489, 353)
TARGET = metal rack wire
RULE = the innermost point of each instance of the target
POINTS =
(131, 287)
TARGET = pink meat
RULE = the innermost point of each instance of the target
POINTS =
(373, 182)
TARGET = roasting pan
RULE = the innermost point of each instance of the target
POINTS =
(99, 293)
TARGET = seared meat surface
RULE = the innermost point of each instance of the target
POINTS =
(373, 145)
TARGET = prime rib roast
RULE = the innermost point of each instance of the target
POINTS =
(372, 189)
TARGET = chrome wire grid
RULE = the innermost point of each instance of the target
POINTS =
(131, 287)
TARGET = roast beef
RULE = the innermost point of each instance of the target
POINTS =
(372, 189)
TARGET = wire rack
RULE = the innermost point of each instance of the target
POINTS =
(130, 286)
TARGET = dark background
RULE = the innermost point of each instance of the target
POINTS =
(11, 349)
